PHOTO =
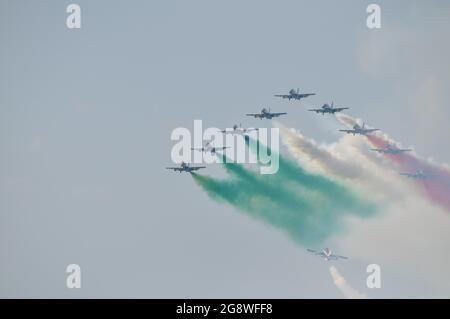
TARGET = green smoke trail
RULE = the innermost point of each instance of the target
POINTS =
(289, 171)
(303, 228)
(302, 207)
(260, 184)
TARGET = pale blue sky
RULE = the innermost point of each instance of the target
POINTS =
(86, 117)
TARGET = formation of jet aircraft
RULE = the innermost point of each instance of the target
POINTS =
(326, 254)
(326, 108)
(211, 149)
(265, 114)
(390, 149)
(185, 168)
(295, 95)
(362, 130)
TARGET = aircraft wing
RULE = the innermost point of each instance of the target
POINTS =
(376, 150)
(230, 132)
(370, 130)
(339, 257)
(347, 131)
(418, 176)
(277, 114)
(284, 96)
(339, 109)
(306, 94)
(315, 252)
(317, 110)
(174, 168)
(196, 168)
(407, 174)
(255, 115)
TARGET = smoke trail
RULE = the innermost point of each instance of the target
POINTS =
(346, 119)
(437, 187)
(344, 161)
(409, 224)
(307, 151)
(291, 172)
(299, 225)
(340, 282)
(304, 208)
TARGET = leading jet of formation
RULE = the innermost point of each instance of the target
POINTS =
(294, 95)
(265, 114)
(357, 129)
(326, 254)
(238, 130)
(185, 168)
(326, 108)
(390, 149)
(420, 174)
(210, 149)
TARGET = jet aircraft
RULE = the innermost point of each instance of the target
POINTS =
(185, 168)
(357, 129)
(326, 254)
(239, 130)
(420, 174)
(265, 114)
(390, 149)
(295, 95)
(209, 148)
(326, 108)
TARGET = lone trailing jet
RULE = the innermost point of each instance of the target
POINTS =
(420, 174)
(326, 254)
(185, 168)
(326, 108)
(209, 148)
(391, 149)
(239, 130)
(295, 95)
(265, 114)
(360, 130)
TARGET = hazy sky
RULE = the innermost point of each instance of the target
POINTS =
(86, 117)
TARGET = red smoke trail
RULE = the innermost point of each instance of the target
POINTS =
(405, 161)
(436, 187)
(439, 190)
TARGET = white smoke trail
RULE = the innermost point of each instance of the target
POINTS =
(436, 189)
(347, 161)
(411, 239)
(349, 121)
(340, 282)
(411, 236)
